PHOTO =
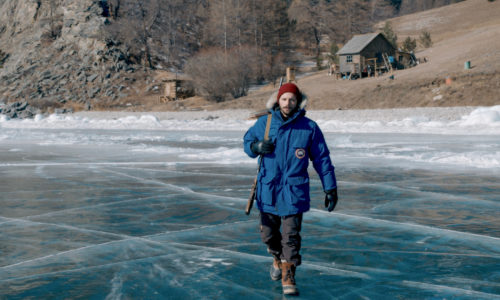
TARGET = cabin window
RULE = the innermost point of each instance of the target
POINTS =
(349, 58)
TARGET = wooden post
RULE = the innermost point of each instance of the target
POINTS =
(166, 92)
(290, 74)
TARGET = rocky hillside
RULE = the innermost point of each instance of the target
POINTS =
(54, 53)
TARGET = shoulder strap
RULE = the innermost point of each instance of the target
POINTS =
(268, 126)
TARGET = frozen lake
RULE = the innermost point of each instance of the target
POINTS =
(132, 207)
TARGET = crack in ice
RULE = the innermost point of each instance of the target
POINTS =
(460, 234)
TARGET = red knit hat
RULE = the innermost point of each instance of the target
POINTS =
(289, 88)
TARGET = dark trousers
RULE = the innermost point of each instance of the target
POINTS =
(284, 244)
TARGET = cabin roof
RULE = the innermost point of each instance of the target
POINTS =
(358, 43)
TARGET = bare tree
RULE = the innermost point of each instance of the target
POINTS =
(218, 74)
(275, 28)
(339, 20)
(411, 6)
(156, 32)
(262, 24)
(54, 19)
(310, 23)
(382, 10)
(227, 24)
(135, 27)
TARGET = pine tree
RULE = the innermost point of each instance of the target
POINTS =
(409, 44)
(332, 56)
(425, 39)
(389, 34)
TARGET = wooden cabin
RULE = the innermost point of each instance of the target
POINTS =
(173, 86)
(366, 55)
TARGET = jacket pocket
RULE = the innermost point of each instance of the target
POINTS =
(266, 190)
(299, 189)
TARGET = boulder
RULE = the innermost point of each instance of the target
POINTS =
(18, 109)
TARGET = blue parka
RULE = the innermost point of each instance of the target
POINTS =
(283, 180)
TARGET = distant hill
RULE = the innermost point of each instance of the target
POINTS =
(465, 31)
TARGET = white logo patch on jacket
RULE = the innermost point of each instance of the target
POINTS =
(300, 153)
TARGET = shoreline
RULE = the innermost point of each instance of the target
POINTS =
(466, 120)
(388, 114)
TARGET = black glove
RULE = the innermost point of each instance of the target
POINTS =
(331, 199)
(262, 147)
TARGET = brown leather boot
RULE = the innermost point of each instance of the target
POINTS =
(275, 270)
(288, 279)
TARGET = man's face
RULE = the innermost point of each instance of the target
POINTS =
(287, 103)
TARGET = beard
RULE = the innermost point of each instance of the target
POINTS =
(287, 111)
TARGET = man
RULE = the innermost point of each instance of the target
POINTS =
(283, 182)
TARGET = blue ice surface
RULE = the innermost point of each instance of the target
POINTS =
(103, 214)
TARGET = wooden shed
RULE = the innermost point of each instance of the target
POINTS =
(405, 60)
(174, 86)
(365, 55)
